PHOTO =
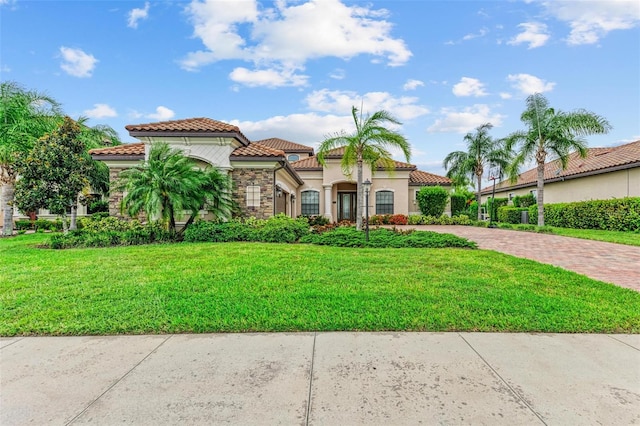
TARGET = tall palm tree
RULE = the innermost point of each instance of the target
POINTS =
(482, 151)
(25, 116)
(168, 183)
(369, 144)
(551, 132)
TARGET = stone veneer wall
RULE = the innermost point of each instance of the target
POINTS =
(247, 177)
(115, 198)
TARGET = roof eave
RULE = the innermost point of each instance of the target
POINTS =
(109, 157)
(150, 133)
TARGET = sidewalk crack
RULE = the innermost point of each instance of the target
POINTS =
(313, 357)
(504, 381)
(117, 381)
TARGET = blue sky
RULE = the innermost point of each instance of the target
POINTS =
(293, 69)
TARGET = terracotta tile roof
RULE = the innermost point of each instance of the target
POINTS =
(133, 150)
(285, 145)
(309, 163)
(598, 160)
(312, 163)
(418, 177)
(200, 125)
(256, 150)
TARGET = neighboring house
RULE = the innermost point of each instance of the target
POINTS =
(266, 178)
(605, 173)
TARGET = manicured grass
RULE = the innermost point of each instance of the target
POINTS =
(241, 287)
(618, 237)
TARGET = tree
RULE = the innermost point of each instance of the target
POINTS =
(25, 116)
(168, 183)
(53, 172)
(482, 151)
(369, 144)
(551, 132)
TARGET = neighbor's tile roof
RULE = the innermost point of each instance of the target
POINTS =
(311, 163)
(418, 177)
(598, 160)
(284, 145)
(256, 150)
(124, 150)
(190, 125)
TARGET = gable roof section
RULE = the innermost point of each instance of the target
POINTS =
(254, 151)
(420, 178)
(598, 161)
(198, 127)
(128, 151)
(285, 145)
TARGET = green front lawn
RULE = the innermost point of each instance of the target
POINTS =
(241, 287)
(618, 237)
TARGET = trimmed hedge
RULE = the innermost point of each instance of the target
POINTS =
(384, 238)
(432, 200)
(619, 214)
(458, 204)
(420, 219)
(388, 219)
(507, 214)
(524, 200)
(494, 204)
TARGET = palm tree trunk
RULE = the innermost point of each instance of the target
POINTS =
(540, 194)
(479, 197)
(8, 191)
(359, 195)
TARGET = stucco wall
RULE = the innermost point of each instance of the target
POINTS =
(620, 184)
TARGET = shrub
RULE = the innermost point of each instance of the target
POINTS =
(389, 219)
(473, 209)
(98, 206)
(508, 214)
(619, 214)
(432, 200)
(384, 238)
(494, 204)
(524, 200)
(316, 220)
(24, 224)
(458, 204)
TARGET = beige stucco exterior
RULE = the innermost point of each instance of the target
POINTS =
(616, 184)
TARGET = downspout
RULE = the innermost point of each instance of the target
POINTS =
(274, 186)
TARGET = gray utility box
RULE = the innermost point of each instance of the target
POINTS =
(524, 216)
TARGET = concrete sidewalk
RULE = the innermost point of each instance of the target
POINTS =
(322, 379)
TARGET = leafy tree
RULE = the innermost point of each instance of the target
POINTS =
(432, 200)
(53, 172)
(482, 151)
(551, 132)
(168, 183)
(25, 116)
(369, 144)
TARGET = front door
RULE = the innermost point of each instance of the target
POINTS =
(347, 206)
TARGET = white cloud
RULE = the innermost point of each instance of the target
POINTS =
(338, 74)
(268, 77)
(592, 20)
(465, 120)
(340, 102)
(4, 68)
(136, 15)
(534, 33)
(162, 113)
(471, 36)
(76, 62)
(412, 84)
(100, 111)
(528, 84)
(285, 36)
(469, 87)
(505, 95)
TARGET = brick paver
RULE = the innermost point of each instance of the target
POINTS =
(613, 263)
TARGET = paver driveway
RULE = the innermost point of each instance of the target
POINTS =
(613, 263)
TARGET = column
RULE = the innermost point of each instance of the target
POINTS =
(327, 201)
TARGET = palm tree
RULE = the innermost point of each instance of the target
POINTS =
(482, 151)
(168, 183)
(368, 144)
(551, 132)
(25, 116)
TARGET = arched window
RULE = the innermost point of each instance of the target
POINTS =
(293, 157)
(384, 202)
(310, 203)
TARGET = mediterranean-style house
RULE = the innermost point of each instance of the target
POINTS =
(605, 173)
(272, 176)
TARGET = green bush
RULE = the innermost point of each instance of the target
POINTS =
(494, 204)
(135, 235)
(316, 220)
(386, 238)
(458, 204)
(524, 200)
(507, 214)
(98, 206)
(24, 224)
(473, 210)
(619, 214)
(432, 200)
